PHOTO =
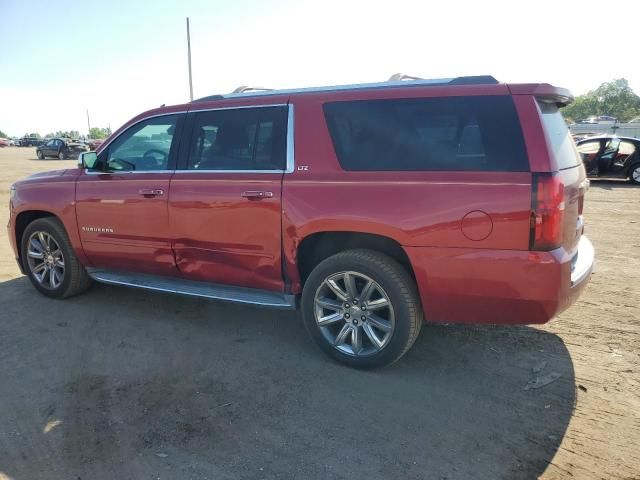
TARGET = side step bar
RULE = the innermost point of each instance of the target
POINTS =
(194, 289)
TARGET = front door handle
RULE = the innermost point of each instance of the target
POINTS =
(256, 194)
(151, 192)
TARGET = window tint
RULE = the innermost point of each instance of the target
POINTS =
(563, 148)
(145, 146)
(243, 139)
(446, 133)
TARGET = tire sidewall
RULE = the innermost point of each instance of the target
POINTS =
(402, 332)
(46, 225)
(631, 170)
(40, 155)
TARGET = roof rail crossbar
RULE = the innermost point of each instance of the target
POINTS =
(245, 88)
(401, 76)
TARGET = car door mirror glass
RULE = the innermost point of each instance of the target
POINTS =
(88, 160)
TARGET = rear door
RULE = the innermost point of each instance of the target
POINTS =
(225, 200)
(122, 205)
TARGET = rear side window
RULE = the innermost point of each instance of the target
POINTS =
(442, 134)
(563, 148)
(242, 139)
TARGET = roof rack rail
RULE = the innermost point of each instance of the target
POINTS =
(245, 88)
(401, 76)
(208, 99)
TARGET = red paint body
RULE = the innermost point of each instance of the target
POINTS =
(466, 234)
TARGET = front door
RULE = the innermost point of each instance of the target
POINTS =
(121, 204)
(225, 202)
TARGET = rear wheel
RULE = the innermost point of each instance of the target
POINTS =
(634, 174)
(361, 307)
(40, 155)
(48, 259)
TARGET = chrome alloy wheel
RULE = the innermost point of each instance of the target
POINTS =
(354, 313)
(636, 174)
(45, 260)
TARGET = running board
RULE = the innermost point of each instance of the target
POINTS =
(192, 288)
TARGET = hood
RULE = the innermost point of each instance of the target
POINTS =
(45, 176)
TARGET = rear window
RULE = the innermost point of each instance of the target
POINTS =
(562, 145)
(442, 134)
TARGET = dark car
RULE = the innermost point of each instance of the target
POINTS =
(611, 156)
(30, 142)
(61, 148)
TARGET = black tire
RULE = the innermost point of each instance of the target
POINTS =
(399, 288)
(634, 167)
(75, 279)
(62, 155)
(40, 155)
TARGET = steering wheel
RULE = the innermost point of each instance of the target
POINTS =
(125, 166)
(160, 162)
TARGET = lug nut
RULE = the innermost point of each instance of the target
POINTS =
(346, 305)
(355, 302)
(363, 318)
(363, 307)
(346, 315)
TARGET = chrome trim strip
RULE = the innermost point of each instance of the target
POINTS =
(290, 140)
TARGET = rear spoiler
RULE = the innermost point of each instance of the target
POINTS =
(544, 92)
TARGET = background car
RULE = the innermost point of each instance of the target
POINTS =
(4, 142)
(30, 142)
(611, 156)
(61, 148)
(95, 143)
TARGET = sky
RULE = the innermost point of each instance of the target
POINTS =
(118, 58)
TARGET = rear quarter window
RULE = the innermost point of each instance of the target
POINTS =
(563, 148)
(478, 133)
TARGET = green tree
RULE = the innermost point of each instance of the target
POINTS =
(37, 135)
(96, 133)
(614, 98)
(3, 135)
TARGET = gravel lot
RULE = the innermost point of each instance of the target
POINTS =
(124, 384)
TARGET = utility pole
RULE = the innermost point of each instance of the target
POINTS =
(88, 124)
(189, 57)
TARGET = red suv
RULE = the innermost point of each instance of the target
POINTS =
(371, 206)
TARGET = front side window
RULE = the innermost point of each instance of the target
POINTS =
(144, 147)
(443, 134)
(242, 139)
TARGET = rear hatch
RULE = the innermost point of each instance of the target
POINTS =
(558, 196)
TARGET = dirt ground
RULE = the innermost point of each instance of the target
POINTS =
(124, 384)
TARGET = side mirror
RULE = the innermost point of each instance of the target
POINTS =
(87, 160)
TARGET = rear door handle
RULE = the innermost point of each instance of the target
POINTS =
(256, 194)
(151, 192)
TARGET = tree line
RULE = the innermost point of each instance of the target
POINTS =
(94, 133)
(615, 98)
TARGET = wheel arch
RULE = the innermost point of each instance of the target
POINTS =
(23, 219)
(317, 246)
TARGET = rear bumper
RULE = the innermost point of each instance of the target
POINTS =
(459, 285)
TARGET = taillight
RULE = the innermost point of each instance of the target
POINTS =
(547, 212)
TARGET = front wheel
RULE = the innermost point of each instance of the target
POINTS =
(634, 174)
(48, 259)
(40, 155)
(361, 308)
(62, 155)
